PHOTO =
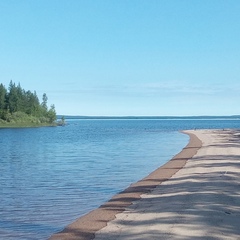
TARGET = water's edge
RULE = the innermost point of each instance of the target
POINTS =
(85, 227)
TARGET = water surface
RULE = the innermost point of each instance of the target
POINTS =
(51, 176)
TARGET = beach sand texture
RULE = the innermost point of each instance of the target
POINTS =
(201, 201)
(196, 195)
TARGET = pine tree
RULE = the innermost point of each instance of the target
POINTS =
(3, 92)
(51, 114)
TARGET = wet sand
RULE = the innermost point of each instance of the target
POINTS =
(85, 227)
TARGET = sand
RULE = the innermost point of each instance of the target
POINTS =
(193, 196)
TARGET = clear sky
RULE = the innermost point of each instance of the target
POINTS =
(125, 57)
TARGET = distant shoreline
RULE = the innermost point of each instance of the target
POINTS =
(233, 117)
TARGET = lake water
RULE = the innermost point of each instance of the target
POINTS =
(51, 176)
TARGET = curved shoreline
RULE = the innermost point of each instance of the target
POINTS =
(85, 227)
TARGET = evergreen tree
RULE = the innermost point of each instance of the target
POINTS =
(51, 114)
(3, 92)
(20, 98)
(44, 101)
(12, 99)
(31, 104)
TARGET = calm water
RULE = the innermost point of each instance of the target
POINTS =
(51, 176)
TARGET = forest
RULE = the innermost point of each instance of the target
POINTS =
(21, 107)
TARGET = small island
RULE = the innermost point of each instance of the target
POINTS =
(21, 108)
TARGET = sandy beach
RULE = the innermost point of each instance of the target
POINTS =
(193, 196)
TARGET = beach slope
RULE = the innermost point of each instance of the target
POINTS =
(200, 201)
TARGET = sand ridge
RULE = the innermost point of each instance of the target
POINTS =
(201, 201)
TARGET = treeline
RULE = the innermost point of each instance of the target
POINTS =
(18, 105)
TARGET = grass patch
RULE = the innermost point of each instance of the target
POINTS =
(25, 125)
(23, 120)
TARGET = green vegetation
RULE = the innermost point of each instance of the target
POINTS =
(20, 108)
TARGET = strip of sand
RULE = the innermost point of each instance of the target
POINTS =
(86, 227)
(200, 201)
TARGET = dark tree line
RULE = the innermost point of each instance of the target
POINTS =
(16, 104)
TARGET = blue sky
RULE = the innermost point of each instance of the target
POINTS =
(125, 57)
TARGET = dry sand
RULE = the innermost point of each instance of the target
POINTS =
(198, 201)
(201, 201)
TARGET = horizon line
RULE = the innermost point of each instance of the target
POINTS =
(148, 116)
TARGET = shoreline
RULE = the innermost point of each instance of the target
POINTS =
(85, 227)
(25, 125)
(201, 201)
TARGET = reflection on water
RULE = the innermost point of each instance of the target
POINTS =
(51, 176)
